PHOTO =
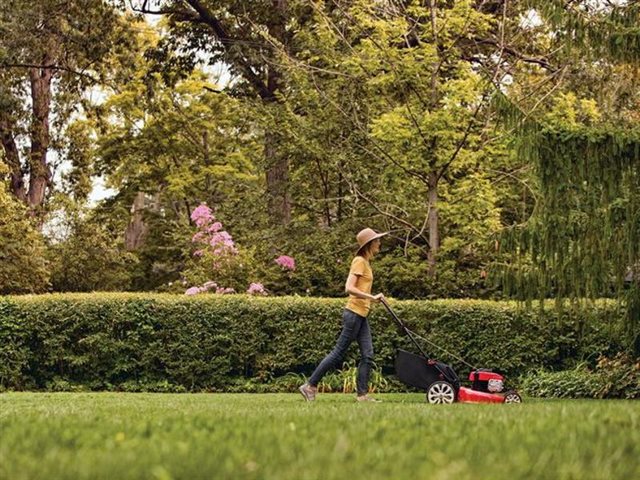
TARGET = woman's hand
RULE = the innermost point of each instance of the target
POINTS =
(378, 298)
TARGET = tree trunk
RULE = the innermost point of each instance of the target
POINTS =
(277, 181)
(265, 80)
(339, 212)
(432, 221)
(40, 173)
(136, 230)
(12, 155)
(277, 173)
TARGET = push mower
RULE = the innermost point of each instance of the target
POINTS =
(440, 381)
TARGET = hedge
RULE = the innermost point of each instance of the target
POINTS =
(107, 341)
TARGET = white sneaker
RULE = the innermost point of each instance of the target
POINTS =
(308, 392)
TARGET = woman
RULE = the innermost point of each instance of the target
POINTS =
(354, 320)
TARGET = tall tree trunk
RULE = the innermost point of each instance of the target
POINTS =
(265, 80)
(339, 211)
(432, 221)
(277, 173)
(13, 159)
(432, 178)
(137, 229)
(40, 173)
(277, 180)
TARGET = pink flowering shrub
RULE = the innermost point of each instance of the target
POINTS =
(215, 255)
(224, 291)
(207, 286)
(256, 289)
(210, 235)
(204, 288)
(286, 262)
(202, 215)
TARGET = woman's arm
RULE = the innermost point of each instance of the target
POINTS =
(351, 289)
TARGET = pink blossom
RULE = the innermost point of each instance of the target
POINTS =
(214, 227)
(222, 243)
(212, 238)
(198, 237)
(256, 289)
(202, 215)
(224, 291)
(221, 250)
(286, 262)
(192, 291)
(221, 237)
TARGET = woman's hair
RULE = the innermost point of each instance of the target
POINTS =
(365, 250)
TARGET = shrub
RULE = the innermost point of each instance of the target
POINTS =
(175, 342)
(618, 377)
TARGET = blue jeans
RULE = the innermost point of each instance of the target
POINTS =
(354, 327)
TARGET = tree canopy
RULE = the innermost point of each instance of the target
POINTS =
(497, 140)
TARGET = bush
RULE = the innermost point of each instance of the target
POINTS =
(23, 268)
(167, 342)
(612, 378)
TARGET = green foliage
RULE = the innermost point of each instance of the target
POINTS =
(322, 259)
(374, 106)
(349, 115)
(90, 256)
(401, 274)
(345, 380)
(618, 377)
(593, 31)
(51, 53)
(126, 341)
(582, 240)
(23, 267)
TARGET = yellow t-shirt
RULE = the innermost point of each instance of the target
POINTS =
(361, 268)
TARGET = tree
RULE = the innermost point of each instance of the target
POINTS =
(412, 85)
(87, 253)
(165, 150)
(583, 240)
(49, 52)
(242, 37)
(368, 64)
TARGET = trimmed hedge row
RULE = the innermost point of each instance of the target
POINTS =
(107, 341)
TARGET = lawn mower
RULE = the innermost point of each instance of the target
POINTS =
(440, 381)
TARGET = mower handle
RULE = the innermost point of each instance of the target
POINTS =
(392, 313)
(411, 336)
(403, 326)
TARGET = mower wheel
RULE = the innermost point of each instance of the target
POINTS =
(512, 397)
(441, 392)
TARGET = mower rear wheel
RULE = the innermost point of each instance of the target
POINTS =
(512, 397)
(441, 392)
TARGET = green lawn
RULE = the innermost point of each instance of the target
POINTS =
(164, 436)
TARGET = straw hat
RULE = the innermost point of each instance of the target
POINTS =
(367, 235)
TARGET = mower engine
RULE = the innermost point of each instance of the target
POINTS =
(486, 380)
